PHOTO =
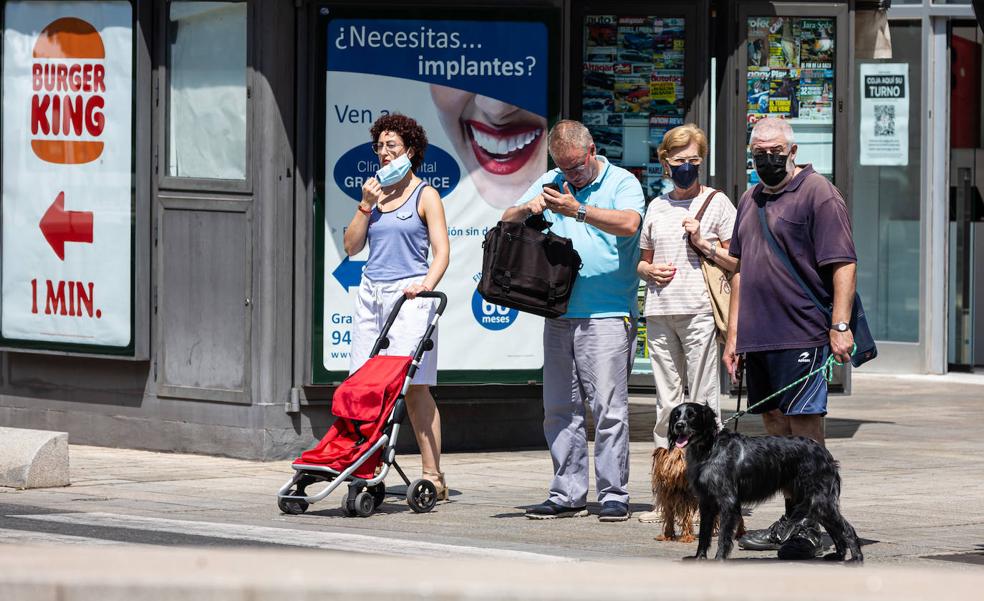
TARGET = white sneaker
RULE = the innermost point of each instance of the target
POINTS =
(651, 517)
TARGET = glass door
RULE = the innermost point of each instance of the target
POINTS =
(887, 192)
(641, 72)
(966, 228)
(793, 67)
(792, 63)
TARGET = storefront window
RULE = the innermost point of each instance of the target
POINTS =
(886, 186)
(791, 75)
(632, 94)
(633, 89)
(206, 110)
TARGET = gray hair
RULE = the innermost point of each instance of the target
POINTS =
(568, 134)
(772, 125)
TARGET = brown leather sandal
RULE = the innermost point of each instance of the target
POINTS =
(438, 479)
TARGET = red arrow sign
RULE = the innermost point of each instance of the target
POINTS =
(60, 226)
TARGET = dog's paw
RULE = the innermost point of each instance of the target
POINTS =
(833, 556)
(686, 539)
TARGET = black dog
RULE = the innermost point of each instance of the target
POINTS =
(727, 470)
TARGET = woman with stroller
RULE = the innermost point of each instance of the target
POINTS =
(680, 329)
(401, 218)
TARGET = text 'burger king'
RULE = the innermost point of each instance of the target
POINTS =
(68, 77)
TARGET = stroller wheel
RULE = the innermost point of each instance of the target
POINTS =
(422, 495)
(348, 508)
(378, 494)
(292, 506)
(364, 504)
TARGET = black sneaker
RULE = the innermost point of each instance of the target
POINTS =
(769, 539)
(549, 510)
(613, 511)
(805, 542)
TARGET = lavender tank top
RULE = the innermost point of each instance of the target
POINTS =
(398, 242)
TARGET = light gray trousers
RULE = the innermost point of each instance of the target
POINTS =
(587, 360)
(683, 350)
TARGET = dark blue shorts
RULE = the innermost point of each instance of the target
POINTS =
(768, 371)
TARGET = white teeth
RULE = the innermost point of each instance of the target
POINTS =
(500, 145)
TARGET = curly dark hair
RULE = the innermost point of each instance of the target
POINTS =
(409, 130)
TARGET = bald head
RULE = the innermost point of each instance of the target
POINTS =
(569, 136)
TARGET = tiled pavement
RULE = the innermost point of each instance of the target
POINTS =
(910, 448)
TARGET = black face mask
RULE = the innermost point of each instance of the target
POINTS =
(771, 168)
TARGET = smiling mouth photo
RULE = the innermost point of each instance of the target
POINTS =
(503, 151)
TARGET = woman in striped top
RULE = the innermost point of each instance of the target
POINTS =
(680, 331)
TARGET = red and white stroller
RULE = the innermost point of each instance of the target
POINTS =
(369, 407)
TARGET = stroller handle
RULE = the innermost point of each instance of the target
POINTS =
(428, 294)
(443, 302)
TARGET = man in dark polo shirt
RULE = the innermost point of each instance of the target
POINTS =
(782, 334)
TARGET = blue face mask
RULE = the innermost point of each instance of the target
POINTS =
(395, 171)
(684, 175)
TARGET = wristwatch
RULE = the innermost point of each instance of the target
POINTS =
(713, 251)
(842, 326)
(582, 213)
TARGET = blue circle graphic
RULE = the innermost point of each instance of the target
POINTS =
(491, 316)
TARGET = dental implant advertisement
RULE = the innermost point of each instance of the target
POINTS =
(479, 90)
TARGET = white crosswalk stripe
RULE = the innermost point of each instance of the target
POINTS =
(335, 541)
(24, 537)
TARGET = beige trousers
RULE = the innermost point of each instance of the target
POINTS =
(682, 350)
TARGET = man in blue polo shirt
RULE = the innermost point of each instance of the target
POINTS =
(587, 352)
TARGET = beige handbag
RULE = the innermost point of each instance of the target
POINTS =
(718, 281)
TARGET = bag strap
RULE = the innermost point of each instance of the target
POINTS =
(703, 207)
(779, 252)
(698, 217)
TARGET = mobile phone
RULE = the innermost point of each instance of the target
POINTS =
(552, 186)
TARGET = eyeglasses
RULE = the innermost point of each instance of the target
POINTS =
(677, 161)
(378, 147)
(578, 171)
(775, 150)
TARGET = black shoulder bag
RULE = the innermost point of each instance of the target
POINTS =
(528, 269)
(866, 349)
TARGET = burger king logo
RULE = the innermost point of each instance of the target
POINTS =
(69, 83)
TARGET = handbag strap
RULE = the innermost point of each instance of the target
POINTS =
(779, 252)
(698, 217)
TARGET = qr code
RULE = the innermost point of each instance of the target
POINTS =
(884, 120)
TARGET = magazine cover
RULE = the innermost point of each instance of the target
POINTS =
(635, 40)
(668, 60)
(608, 141)
(758, 90)
(783, 100)
(758, 42)
(817, 43)
(600, 54)
(784, 43)
(816, 89)
(601, 30)
(631, 94)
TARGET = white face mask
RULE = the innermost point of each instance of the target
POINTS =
(394, 171)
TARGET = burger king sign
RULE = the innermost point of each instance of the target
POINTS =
(67, 175)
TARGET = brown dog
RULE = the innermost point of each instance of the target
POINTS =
(674, 497)
(672, 493)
